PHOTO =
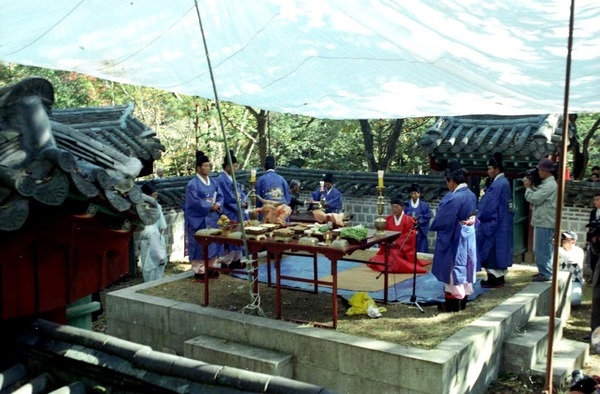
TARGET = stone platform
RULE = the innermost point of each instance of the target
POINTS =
(467, 362)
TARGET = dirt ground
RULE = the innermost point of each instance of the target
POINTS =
(400, 323)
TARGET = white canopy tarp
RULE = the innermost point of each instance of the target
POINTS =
(338, 59)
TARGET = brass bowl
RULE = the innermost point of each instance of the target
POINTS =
(380, 225)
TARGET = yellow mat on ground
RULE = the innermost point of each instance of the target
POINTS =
(363, 278)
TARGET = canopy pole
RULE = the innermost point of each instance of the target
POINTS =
(559, 206)
(254, 297)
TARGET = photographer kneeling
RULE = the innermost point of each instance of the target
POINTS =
(543, 199)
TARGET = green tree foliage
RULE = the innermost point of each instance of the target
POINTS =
(587, 127)
(186, 124)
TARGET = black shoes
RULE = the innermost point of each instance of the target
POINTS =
(212, 274)
(451, 305)
(493, 282)
(234, 265)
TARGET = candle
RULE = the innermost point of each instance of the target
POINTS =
(252, 175)
(322, 183)
(380, 178)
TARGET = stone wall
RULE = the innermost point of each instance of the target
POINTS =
(364, 210)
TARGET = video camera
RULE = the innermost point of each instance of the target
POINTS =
(534, 176)
(593, 227)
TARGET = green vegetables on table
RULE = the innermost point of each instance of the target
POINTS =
(356, 232)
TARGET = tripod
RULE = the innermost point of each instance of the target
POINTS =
(413, 297)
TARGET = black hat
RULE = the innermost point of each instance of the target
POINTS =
(454, 170)
(397, 200)
(328, 177)
(201, 158)
(233, 159)
(148, 188)
(270, 162)
(415, 188)
(496, 161)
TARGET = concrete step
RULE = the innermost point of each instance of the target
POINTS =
(568, 356)
(524, 349)
(220, 351)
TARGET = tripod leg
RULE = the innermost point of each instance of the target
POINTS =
(413, 297)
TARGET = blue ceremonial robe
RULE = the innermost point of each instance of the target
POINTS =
(197, 215)
(423, 214)
(229, 206)
(272, 186)
(455, 252)
(333, 197)
(495, 229)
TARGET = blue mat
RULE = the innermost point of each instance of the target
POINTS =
(428, 289)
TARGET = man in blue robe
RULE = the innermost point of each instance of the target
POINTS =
(421, 212)
(330, 196)
(202, 209)
(232, 254)
(495, 227)
(272, 186)
(455, 253)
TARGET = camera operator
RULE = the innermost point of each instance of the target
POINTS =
(592, 239)
(543, 200)
(593, 249)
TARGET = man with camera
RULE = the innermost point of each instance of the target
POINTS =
(542, 196)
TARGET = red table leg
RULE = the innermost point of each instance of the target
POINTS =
(205, 251)
(278, 284)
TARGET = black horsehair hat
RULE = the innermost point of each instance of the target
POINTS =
(496, 161)
(415, 188)
(453, 169)
(397, 200)
(328, 177)
(201, 158)
(233, 158)
(270, 162)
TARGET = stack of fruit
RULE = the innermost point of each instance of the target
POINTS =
(224, 223)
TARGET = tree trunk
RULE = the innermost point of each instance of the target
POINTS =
(392, 142)
(584, 150)
(261, 132)
(367, 133)
(387, 148)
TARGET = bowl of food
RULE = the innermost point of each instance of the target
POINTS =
(224, 224)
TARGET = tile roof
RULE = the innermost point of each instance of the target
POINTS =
(49, 356)
(84, 154)
(523, 140)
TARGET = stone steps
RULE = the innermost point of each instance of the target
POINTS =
(568, 356)
(524, 349)
(525, 352)
(219, 351)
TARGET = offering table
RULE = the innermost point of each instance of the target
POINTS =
(277, 249)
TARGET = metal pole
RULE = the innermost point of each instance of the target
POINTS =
(559, 205)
